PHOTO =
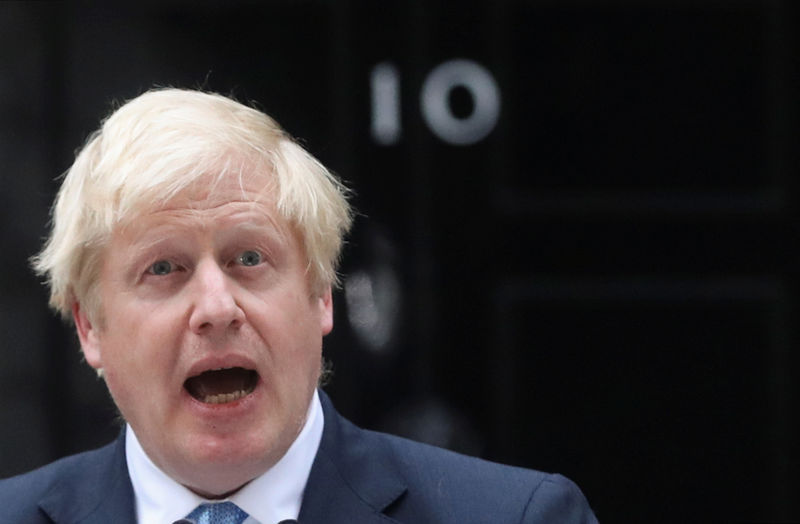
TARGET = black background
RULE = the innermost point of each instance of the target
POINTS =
(604, 286)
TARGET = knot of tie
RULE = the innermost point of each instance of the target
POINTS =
(217, 513)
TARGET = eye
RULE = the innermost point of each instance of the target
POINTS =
(249, 258)
(162, 267)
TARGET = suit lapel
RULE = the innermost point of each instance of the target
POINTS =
(353, 478)
(97, 490)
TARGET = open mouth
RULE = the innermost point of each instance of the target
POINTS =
(219, 386)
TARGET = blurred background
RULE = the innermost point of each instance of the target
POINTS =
(577, 242)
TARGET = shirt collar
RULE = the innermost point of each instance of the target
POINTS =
(274, 496)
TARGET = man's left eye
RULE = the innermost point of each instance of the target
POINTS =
(249, 258)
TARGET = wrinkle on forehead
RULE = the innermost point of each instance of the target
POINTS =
(191, 216)
(213, 191)
(254, 185)
(251, 176)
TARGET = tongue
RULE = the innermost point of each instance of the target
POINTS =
(220, 382)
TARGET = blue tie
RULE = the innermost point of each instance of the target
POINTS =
(219, 513)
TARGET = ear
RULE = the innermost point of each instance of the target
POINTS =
(326, 311)
(88, 335)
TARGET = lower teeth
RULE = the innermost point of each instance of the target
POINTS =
(223, 398)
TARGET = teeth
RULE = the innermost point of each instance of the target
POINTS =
(223, 398)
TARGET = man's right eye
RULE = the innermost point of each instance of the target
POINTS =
(162, 267)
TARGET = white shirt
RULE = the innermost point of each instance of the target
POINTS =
(274, 496)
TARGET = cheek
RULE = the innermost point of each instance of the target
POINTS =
(293, 336)
(121, 389)
(136, 373)
(136, 346)
(123, 358)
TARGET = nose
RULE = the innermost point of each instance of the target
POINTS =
(215, 308)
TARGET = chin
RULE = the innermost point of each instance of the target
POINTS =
(219, 475)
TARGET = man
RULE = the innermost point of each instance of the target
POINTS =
(194, 245)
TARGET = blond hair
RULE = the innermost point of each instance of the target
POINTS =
(158, 144)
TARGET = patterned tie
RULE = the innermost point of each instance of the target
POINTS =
(219, 513)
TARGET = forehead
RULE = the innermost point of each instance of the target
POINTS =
(213, 190)
(198, 178)
(210, 201)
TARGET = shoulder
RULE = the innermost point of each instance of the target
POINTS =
(413, 482)
(22, 494)
(470, 489)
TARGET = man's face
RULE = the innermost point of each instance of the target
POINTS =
(209, 335)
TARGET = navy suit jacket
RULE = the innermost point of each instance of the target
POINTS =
(358, 477)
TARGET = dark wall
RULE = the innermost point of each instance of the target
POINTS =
(577, 249)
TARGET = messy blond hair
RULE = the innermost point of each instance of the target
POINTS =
(158, 144)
